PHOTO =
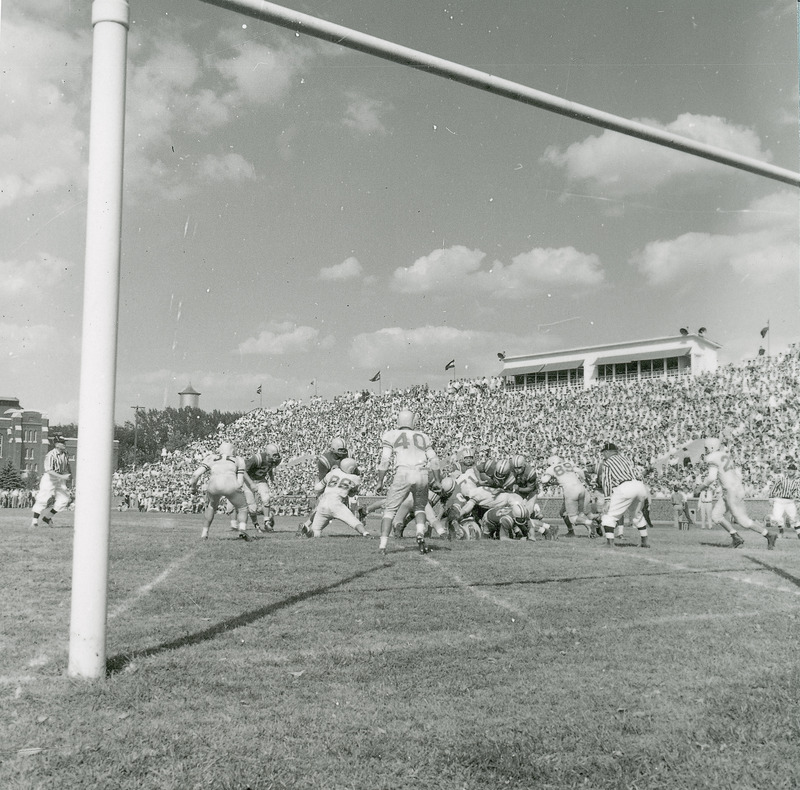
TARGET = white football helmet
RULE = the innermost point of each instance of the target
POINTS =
(447, 485)
(554, 460)
(406, 419)
(712, 444)
(519, 512)
(348, 466)
(226, 449)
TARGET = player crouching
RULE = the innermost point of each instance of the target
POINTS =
(334, 491)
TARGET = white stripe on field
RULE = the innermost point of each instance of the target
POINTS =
(478, 593)
(746, 580)
(148, 588)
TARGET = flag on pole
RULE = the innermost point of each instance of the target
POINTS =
(258, 391)
(450, 364)
(765, 330)
(376, 377)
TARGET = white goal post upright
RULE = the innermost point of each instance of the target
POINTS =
(87, 639)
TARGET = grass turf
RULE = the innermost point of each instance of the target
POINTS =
(286, 663)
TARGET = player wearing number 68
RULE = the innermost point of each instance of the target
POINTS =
(413, 456)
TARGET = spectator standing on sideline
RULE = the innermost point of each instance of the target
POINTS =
(705, 504)
(680, 508)
(226, 479)
(413, 456)
(722, 469)
(53, 495)
(624, 492)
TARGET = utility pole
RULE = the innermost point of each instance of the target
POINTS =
(135, 432)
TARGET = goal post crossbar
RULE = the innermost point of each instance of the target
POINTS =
(363, 42)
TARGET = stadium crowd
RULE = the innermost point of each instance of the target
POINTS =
(753, 407)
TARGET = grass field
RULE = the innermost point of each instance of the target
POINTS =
(286, 663)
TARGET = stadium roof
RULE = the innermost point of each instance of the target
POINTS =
(608, 354)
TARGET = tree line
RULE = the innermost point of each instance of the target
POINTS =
(142, 439)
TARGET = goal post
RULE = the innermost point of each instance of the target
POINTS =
(95, 459)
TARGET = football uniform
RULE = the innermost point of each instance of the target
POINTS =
(226, 479)
(413, 456)
(335, 490)
(260, 469)
(572, 481)
(723, 470)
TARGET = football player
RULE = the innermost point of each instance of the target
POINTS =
(260, 469)
(335, 490)
(227, 479)
(413, 456)
(327, 460)
(722, 469)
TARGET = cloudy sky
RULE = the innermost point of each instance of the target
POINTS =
(296, 212)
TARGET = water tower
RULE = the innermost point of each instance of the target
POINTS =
(189, 397)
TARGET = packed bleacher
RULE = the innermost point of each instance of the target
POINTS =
(754, 407)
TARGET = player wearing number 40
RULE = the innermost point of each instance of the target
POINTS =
(413, 457)
(722, 469)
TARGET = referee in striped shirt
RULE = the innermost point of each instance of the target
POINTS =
(783, 493)
(53, 495)
(624, 492)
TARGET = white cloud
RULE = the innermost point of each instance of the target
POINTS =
(32, 277)
(532, 271)
(229, 167)
(42, 137)
(346, 270)
(363, 115)
(528, 273)
(260, 73)
(622, 165)
(438, 270)
(763, 244)
(285, 338)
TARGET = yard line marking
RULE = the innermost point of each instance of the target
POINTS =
(746, 580)
(148, 588)
(475, 591)
(45, 654)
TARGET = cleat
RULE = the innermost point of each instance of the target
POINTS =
(204, 535)
(645, 544)
(423, 549)
(771, 538)
(570, 533)
(737, 541)
(302, 530)
(269, 525)
(243, 536)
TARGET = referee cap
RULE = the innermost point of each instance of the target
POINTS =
(609, 446)
(58, 440)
